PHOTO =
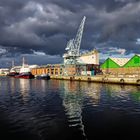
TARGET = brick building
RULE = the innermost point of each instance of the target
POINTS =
(51, 69)
(81, 69)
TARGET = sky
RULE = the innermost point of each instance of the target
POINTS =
(39, 29)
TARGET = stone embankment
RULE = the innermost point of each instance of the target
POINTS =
(118, 79)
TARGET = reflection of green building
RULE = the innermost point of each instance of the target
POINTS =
(122, 65)
(136, 96)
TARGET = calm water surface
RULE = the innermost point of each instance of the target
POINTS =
(64, 110)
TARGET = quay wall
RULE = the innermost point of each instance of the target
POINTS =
(133, 80)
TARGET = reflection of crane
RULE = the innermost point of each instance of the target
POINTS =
(73, 102)
(73, 46)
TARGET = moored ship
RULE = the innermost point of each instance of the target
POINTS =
(43, 76)
(12, 72)
(25, 72)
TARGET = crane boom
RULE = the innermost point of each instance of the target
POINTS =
(78, 38)
(73, 45)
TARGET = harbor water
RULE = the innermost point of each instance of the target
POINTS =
(67, 110)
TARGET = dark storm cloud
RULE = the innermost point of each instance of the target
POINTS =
(47, 25)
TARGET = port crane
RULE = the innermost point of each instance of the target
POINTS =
(73, 46)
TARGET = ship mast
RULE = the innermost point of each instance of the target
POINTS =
(13, 63)
(23, 61)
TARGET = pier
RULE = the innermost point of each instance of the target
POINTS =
(112, 79)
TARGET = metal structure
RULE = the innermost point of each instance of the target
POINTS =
(73, 46)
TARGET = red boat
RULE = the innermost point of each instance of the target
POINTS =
(12, 72)
(25, 75)
(25, 72)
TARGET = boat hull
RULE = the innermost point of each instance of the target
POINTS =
(12, 74)
(25, 76)
(46, 77)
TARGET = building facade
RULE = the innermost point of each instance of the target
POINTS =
(4, 71)
(89, 58)
(122, 65)
(81, 69)
(133, 65)
(51, 69)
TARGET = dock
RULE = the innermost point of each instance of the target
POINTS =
(119, 79)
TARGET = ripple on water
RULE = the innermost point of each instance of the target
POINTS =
(49, 109)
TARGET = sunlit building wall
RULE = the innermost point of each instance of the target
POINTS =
(121, 65)
(52, 69)
(89, 58)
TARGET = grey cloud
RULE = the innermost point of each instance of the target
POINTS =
(31, 59)
(47, 25)
(127, 15)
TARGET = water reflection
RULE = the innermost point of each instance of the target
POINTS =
(43, 85)
(24, 88)
(92, 92)
(73, 102)
(38, 85)
(135, 94)
(120, 91)
(68, 110)
(13, 85)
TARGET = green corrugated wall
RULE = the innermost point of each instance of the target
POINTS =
(109, 64)
(133, 62)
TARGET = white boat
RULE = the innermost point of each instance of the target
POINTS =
(25, 71)
(13, 71)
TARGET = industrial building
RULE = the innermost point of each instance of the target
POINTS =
(86, 64)
(81, 69)
(51, 69)
(122, 65)
(113, 65)
(91, 57)
(4, 71)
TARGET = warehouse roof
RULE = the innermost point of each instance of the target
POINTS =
(138, 55)
(120, 61)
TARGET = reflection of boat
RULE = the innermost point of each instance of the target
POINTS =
(24, 88)
(43, 76)
(25, 72)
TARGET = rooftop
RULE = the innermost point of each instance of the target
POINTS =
(120, 61)
(90, 53)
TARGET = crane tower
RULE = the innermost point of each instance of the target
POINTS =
(73, 46)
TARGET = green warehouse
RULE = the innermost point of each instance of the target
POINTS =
(113, 65)
(122, 65)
